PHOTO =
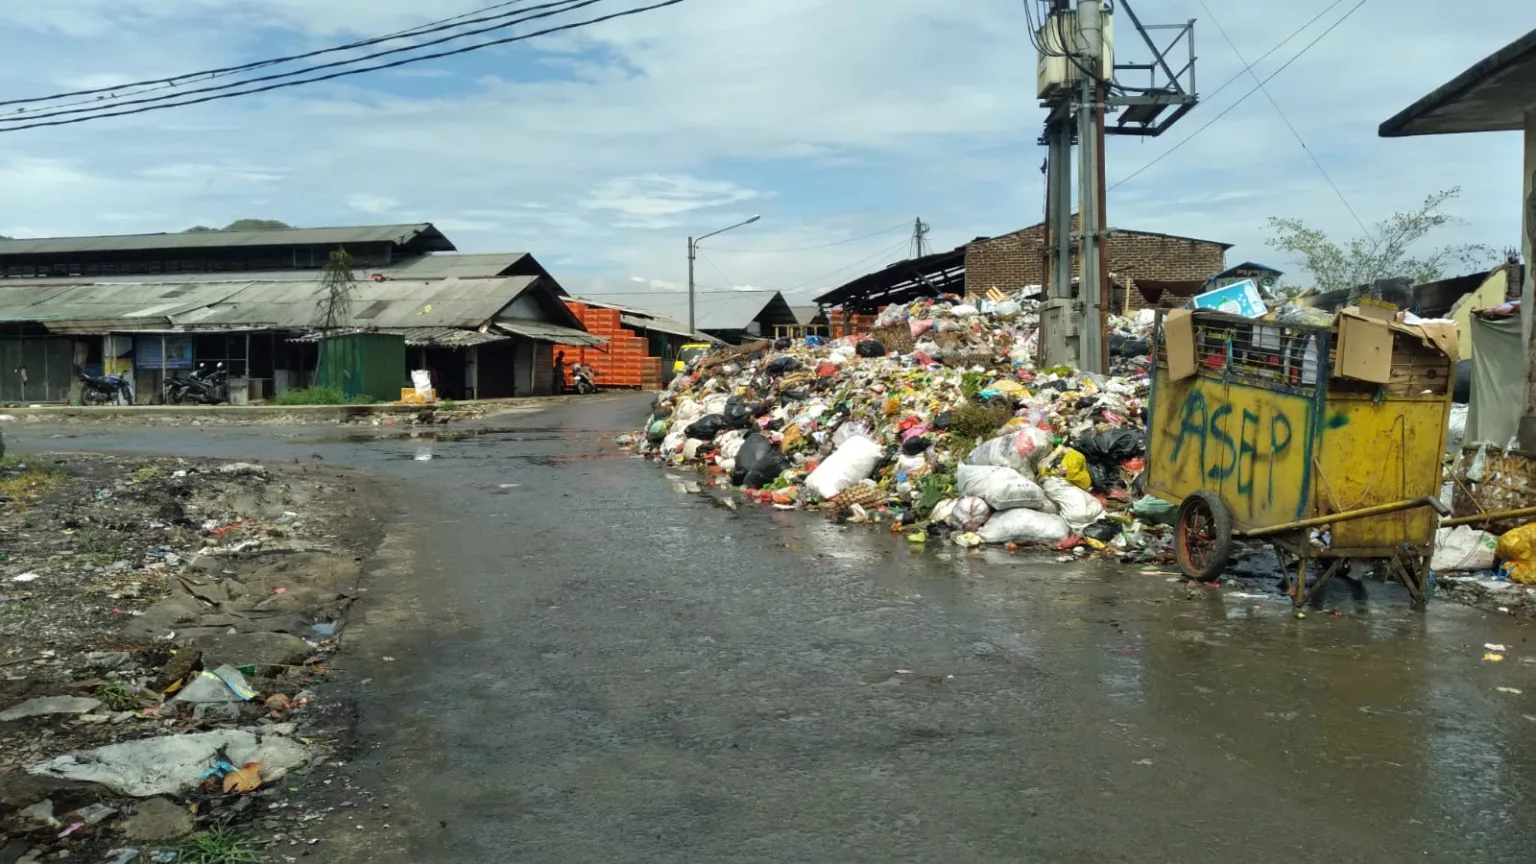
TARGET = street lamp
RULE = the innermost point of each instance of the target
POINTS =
(693, 248)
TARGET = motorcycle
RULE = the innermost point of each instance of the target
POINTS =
(203, 387)
(105, 389)
(584, 379)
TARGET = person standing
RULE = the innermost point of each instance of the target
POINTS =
(559, 372)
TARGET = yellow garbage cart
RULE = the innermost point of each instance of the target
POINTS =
(1324, 440)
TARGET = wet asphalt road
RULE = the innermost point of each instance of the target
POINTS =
(585, 665)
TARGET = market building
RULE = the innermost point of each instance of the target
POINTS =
(1497, 94)
(730, 316)
(148, 307)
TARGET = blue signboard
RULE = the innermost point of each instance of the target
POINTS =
(178, 351)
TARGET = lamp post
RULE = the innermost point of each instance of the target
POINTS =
(693, 248)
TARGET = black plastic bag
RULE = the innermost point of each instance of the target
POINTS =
(767, 470)
(707, 427)
(915, 446)
(1462, 391)
(942, 421)
(1113, 447)
(782, 343)
(781, 365)
(870, 348)
(737, 415)
(753, 450)
(1103, 530)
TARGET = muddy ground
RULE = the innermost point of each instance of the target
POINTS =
(121, 579)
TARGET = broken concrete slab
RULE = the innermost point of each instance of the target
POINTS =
(157, 820)
(46, 705)
(174, 763)
(268, 652)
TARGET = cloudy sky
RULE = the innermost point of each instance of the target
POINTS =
(602, 149)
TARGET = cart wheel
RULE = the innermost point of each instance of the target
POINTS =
(1202, 539)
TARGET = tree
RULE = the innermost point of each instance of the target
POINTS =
(1384, 254)
(335, 305)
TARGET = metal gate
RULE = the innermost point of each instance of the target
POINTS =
(36, 369)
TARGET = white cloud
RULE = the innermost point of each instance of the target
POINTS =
(832, 118)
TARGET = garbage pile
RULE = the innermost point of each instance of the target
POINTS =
(937, 423)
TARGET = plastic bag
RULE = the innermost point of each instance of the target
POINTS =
(1074, 467)
(1463, 549)
(1458, 428)
(781, 365)
(715, 403)
(1519, 548)
(706, 427)
(736, 413)
(1103, 530)
(687, 411)
(1155, 511)
(1001, 487)
(1024, 526)
(968, 514)
(963, 310)
(656, 431)
(919, 326)
(1007, 309)
(748, 454)
(1078, 507)
(1022, 451)
(854, 460)
(870, 348)
(766, 470)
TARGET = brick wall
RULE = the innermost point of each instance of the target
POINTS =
(1014, 260)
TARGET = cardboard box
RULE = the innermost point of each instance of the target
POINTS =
(1365, 348)
(1239, 298)
(1376, 310)
(1179, 340)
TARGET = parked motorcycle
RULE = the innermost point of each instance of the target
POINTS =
(203, 387)
(105, 389)
(584, 379)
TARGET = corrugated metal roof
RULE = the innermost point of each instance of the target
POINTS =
(448, 266)
(451, 303)
(550, 333)
(399, 234)
(662, 324)
(716, 310)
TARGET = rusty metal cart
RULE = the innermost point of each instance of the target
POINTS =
(1265, 441)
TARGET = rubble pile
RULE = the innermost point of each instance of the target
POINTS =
(164, 629)
(938, 423)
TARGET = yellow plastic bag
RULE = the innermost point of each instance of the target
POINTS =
(1074, 467)
(1519, 547)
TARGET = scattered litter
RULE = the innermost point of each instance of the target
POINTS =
(46, 705)
(25, 577)
(1492, 647)
(1493, 658)
(1513, 691)
(173, 764)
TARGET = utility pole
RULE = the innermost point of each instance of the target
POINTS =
(693, 251)
(1078, 85)
(919, 238)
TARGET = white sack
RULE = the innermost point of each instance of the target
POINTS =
(1024, 526)
(1463, 549)
(691, 449)
(853, 460)
(942, 510)
(686, 413)
(1022, 451)
(969, 514)
(1077, 506)
(715, 404)
(1002, 488)
(174, 764)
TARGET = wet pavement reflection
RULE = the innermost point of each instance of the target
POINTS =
(766, 685)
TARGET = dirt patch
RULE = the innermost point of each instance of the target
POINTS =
(154, 597)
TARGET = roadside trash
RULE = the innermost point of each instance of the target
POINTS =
(242, 469)
(224, 684)
(1493, 658)
(46, 705)
(854, 460)
(1155, 511)
(1519, 548)
(1492, 647)
(246, 779)
(1002, 488)
(25, 577)
(1079, 508)
(1513, 691)
(173, 764)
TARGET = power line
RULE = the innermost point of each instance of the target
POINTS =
(1170, 151)
(713, 266)
(897, 227)
(564, 6)
(422, 29)
(903, 244)
(1248, 67)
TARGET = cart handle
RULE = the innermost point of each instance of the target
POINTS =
(1491, 516)
(1351, 515)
